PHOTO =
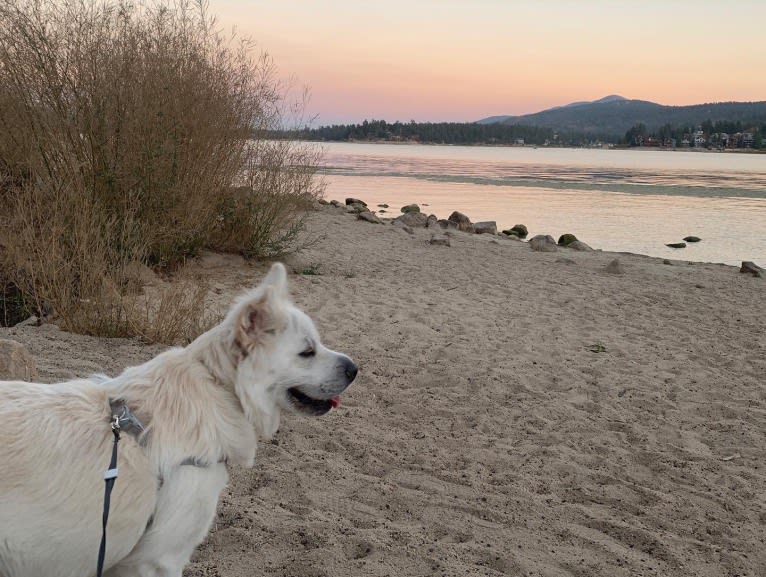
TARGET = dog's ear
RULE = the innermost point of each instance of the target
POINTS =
(277, 280)
(256, 318)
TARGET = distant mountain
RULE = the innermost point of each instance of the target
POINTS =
(612, 116)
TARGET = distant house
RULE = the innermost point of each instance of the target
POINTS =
(747, 140)
(519, 142)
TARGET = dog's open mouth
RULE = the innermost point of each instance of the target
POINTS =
(302, 402)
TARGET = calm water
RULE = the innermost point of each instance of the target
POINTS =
(616, 200)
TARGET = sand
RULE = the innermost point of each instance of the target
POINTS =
(516, 413)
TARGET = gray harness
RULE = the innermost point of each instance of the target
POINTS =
(129, 423)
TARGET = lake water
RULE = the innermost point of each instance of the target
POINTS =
(615, 200)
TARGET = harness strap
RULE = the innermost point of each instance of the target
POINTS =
(110, 476)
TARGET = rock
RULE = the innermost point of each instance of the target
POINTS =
(676, 245)
(411, 219)
(336, 203)
(323, 202)
(543, 243)
(567, 239)
(462, 221)
(511, 234)
(355, 201)
(440, 240)
(410, 208)
(579, 246)
(431, 221)
(692, 239)
(446, 224)
(485, 227)
(666, 261)
(752, 268)
(356, 207)
(382, 206)
(520, 230)
(614, 267)
(369, 217)
(16, 362)
(564, 260)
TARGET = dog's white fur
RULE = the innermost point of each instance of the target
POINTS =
(208, 402)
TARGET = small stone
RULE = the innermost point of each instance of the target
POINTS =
(579, 245)
(614, 267)
(752, 268)
(567, 239)
(410, 208)
(355, 201)
(485, 227)
(676, 245)
(369, 217)
(692, 239)
(543, 243)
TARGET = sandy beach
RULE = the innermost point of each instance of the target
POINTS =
(516, 413)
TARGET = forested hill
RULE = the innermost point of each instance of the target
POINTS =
(612, 116)
(608, 120)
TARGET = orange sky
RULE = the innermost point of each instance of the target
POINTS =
(462, 60)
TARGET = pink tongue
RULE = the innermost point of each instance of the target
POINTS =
(335, 402)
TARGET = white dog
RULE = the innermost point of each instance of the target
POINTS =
(194, 410)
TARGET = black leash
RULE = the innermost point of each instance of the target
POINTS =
(109, 478)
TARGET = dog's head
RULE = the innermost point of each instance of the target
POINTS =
(282, 363)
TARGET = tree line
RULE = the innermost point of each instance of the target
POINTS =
(430, 132)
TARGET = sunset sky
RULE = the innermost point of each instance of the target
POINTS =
(463, 60)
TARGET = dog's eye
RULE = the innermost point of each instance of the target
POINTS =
(308, 352)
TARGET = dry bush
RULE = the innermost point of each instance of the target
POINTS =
(174, 313)
(131, 132)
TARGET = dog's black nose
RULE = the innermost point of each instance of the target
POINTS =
(350, 369)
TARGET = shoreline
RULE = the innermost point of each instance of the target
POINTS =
(535, 146)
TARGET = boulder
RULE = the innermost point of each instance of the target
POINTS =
(752, 268)
(440, 240)
(16, 362)
(383, 205)
(676, 245)
(355, 201)
(369, 217)
(323, 202)
(520, 230)
(511, 234)
(614, 267)
(485, 227)
(431, 221)
(543, 243)
(411, 219)
(356, 207)
(336, 203)
(462, 221)
(446, 224)
(692, 239)
(410, 208)
(567, 239)
(579, 246)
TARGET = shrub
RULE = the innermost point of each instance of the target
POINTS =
(135, 132)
